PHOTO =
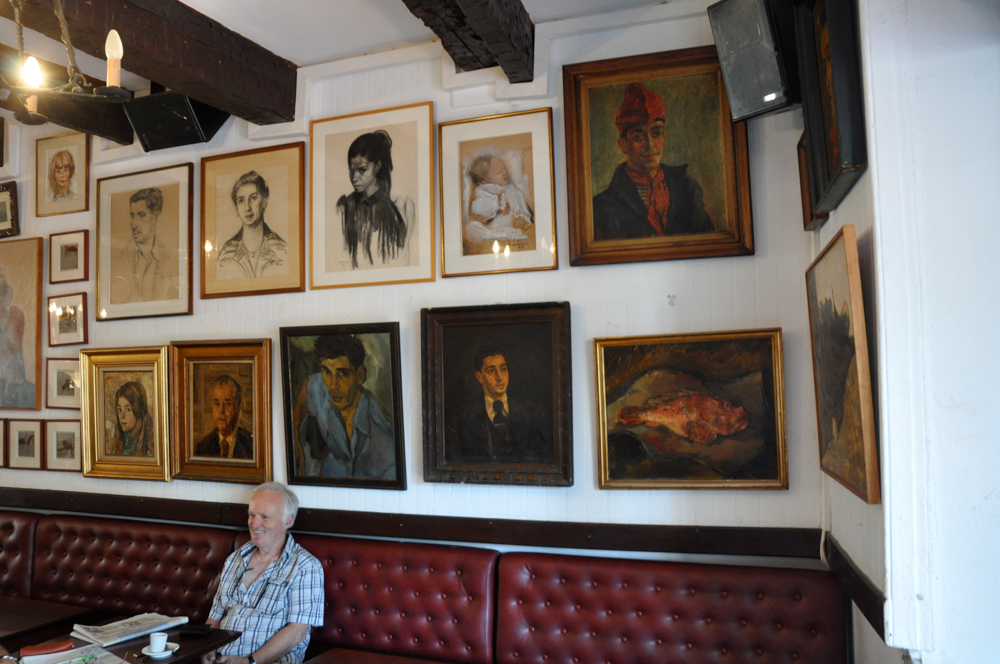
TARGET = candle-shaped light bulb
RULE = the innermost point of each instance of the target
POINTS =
(496, 247)
(115, 51)
(506, 251)
(32, 77)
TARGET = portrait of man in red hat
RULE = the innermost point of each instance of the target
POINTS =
(647, 198)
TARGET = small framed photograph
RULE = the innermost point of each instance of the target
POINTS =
(62, 445)
(126, 414)
(68, 319)
(10, 221)
(372, 183)
(498, 394)
(221, 414)
(692, 411)
(656, 168)
(21, 280)
(845, 412)
(25, 444)
(62, 174)
(497, 194)
(69, 257)
(62, 378)
(343, 404)
(253, 222)
(144, 244)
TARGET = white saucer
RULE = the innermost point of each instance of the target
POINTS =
(167, 652)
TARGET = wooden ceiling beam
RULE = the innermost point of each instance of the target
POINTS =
(482, 33)
(167, 42)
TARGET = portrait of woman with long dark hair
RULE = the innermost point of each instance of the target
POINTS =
(133, 433)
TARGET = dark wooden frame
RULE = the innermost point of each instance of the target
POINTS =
(41, 174)
(301, 225)
(79, 446)
(810, 220)
(433, 357)
(40, 448)
(84, 257)
(183, 223)
(48, 382)
(828, 185)
(290, 392)
(577, 80)
(184, 463)
(15, 213)
(3, 443)
(83, 320)
(33, 346)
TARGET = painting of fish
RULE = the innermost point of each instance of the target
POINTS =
(692, 411)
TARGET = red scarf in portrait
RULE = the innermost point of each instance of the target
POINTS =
(657, 195)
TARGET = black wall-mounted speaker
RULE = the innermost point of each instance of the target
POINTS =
(756, 44)
(168, 119)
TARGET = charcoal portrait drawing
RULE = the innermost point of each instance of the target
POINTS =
(255, 250)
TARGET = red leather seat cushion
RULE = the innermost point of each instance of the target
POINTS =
(129, 567)
(416, 600)
(574, 610)
(17, 544)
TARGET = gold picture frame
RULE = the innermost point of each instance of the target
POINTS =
(692, 411)
(221, 410)
(126, 422)
(62, 172)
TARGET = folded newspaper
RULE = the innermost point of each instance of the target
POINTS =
(85, 655)
(123, 630)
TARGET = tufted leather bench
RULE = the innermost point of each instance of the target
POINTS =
(410, 600)
(129, 567)
(17, 544)
(574, 610)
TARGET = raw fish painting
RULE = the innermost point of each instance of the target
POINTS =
(692, 411)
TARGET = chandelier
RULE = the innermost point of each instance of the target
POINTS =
(76, 87)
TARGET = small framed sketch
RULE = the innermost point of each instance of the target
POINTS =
(126, 420)
(62, 445)
(498, 405)
(25, 444)
(144, 244)
(691, 411)
(21, 280)
(68, 319)
(3, 443)
(343, 392)
(497, 195)
(62, 379)
(10, 221)
(221, 410)
(253, 222)
(62, 174)
(69, 257)
(372, 215)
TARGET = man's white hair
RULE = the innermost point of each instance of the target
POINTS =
(290, 499)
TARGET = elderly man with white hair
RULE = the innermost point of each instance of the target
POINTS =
(271, 588)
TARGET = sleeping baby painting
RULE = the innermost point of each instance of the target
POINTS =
(497, 199)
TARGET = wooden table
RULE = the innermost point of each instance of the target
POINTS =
(191, 647)
(20, 616)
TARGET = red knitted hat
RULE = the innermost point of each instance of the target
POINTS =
(639, 107)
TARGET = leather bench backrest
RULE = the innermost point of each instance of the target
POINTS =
(17, 544)
(575, 610)
(418, 600)
(129, 567)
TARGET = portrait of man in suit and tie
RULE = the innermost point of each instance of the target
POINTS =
(228, 440)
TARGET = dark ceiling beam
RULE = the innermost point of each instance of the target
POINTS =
(482, 33)
(170, 43)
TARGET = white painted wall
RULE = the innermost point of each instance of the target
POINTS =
(765, 290)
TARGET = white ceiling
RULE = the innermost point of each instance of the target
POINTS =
(312, 31)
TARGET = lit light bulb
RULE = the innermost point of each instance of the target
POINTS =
(208, 246)
(32, 74)
(104, 313)
(114, 50)
(59, 311)
(496, 247)
(506, 251)
(52, 307)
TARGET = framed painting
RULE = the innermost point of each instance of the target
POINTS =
(811, 221)
(62, 173)
(3, 443)
(692, 411)
(343, 404)
(498, 394)
(25, 444)
(655, 167)
(497, 194)
(63, 386)
(372, 214)
(69, 257)
(10, 220)
(832, 98)
(253, 222)
(126, 420)
(221, 410)
(67, 319)
(845, 414)
(62, 445)
(22, 323)
(144, 244)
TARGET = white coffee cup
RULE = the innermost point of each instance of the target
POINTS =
(157, 641)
